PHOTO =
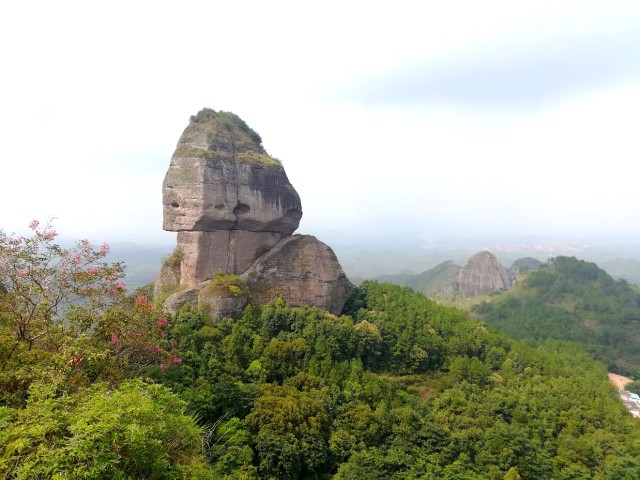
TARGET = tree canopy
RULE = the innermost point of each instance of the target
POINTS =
(397, 387)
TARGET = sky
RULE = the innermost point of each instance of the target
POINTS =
(407, 119)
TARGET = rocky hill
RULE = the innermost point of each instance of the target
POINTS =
(235, 212)
(574, 300)
(482, 274)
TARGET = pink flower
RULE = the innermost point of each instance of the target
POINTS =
(177, 361)
(163, 367)
(141, 300)
(162, 322)
(149, 348)
(34, 224)
(119, 286)
(92, 271)
(114, 339)
(157, 348)
(112, 292)
(85, 245)
(104, 249)
(50, 234)
(77, 258)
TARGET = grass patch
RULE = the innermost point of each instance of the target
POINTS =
(174, 259)
(227, 284)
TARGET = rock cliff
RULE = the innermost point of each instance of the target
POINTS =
(235, 210)
(482, 274)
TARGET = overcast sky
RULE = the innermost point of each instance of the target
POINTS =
(421, 118)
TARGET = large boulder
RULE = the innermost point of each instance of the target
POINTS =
(482, 274)
(221, 178)
(303, 270)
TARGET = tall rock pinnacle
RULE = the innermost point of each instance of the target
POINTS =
(221, 178)
(231, 204)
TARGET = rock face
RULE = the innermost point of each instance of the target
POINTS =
(302, 269)
(235, 210)
(482, 274)
(229, 251)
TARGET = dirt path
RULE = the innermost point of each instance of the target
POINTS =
(618, 380)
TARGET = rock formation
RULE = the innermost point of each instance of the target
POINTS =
(303, 270)
(523, 265)
(482, 274)
(235, 210)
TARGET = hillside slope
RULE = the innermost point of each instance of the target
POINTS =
(440, 279)
(570, 299)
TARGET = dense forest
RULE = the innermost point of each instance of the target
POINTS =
(97, 383)
(573, 300)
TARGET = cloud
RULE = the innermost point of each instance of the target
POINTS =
(509, 75)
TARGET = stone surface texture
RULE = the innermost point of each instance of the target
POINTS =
(235, 210)
(482, 274)
(303, 270)
(228, 251)
(219, 179)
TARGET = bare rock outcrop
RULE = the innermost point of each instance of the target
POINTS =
(221, 178)
(303, 270)
(235, 210)
(482, 274)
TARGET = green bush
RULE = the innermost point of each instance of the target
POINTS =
(135, 431)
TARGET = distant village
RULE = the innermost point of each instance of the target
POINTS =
(631, 401)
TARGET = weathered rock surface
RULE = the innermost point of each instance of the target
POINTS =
(228, 251)
(482, 274)
(212, 300)
(221, 178)
(304, 271)
(189, 295)
(219, 304)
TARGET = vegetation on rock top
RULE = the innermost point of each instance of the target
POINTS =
(225, 127)
(229, 120)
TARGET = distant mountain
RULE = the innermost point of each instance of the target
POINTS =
(522, 266)
(575, 300)
(443, 278)
(142, 262)
(626, 268)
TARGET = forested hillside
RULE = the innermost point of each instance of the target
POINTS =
(396, 387)
(570, 299)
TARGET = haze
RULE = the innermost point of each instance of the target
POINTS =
(422, 120)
